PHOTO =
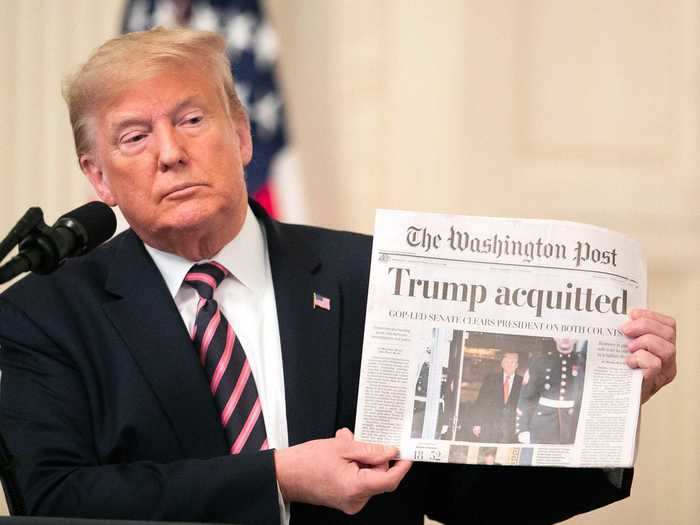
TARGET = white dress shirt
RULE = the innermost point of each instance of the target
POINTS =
(247, 299)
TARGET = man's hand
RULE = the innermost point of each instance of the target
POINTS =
(653, 348)
(338, 472)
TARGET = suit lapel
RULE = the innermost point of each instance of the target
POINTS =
(147, 319)
(309, 336)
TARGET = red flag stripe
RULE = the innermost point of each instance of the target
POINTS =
(264, 446)
(266, 198)
(247, 428)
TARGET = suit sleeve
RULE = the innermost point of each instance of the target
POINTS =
(479, 408)
(488, 398)
(477, 494)
(44, 416)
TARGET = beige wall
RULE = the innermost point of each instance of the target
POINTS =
(587, 111)
(40, 42)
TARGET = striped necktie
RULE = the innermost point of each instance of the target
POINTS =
(226, 365)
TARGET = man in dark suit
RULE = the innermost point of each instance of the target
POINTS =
(494, 420)
(108, 397)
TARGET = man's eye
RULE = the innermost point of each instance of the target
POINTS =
(133, 138)
(193, 120)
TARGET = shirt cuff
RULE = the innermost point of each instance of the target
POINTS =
(284, 507)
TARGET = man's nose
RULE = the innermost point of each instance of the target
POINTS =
(171, 150)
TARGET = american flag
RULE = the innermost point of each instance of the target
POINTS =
(322, 302)
(253, 50)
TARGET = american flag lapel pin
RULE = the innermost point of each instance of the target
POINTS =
(322, 302)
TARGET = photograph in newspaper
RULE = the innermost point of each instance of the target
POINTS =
(496, 341)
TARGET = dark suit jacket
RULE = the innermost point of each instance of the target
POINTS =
(497, 419)
(106, 407)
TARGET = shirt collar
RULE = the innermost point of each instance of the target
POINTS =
(244, 257)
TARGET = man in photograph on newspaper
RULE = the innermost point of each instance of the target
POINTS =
(494, 420)
(550, 398)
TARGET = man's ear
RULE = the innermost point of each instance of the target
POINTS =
(97, 178)
(245, 142)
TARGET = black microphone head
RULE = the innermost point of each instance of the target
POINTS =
(93, 222)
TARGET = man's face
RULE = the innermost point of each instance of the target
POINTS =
(564, 345)
(509, 363)
(166, 151)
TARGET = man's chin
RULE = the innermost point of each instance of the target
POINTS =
(192, 216)
(188, 228)
(199, 222)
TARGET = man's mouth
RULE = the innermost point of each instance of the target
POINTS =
(180, 191)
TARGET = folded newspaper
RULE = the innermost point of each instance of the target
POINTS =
(497, 341)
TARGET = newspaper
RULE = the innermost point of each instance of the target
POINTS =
(497, 341)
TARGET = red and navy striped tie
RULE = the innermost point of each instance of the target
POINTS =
(222, 356)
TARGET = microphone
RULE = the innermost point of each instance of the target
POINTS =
(75, 233)
(30, 220)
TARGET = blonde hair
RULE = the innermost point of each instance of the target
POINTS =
(137, 56)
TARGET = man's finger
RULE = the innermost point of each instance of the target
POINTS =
(370, 453)
(647, 325)
(637, 313)
(376, 481)
(656, 374)
(383, 467)
(654, 345)
(344, 433)
(648, 362)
